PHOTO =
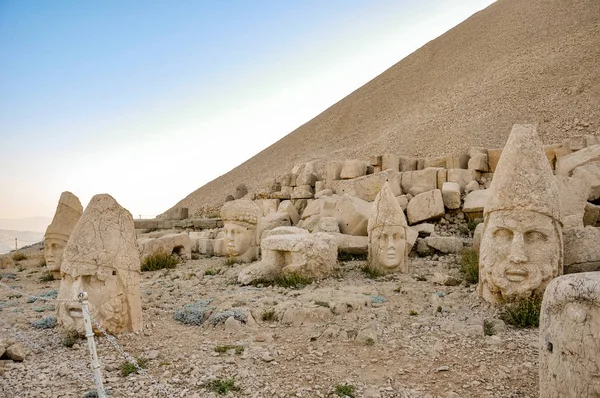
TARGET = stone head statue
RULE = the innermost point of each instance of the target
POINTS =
(569, 351)
(102, 259)
(240, 218)
(388, 247)
(67, 214)
(521, 244)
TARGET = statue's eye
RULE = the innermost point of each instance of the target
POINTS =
(535, 236)
(503, 234)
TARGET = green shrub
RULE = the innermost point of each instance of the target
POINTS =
(230, 261)
(18, 256)
(322, 304)
(469, 265)
(488, 328)
(413, 313)
(223, 386)
(369, 341)
(69, 338)
(211, 272)
(345, 390)
(472, 224)
(293, 281)
(42, 263)
(343, 257)
(47, 276)
(371, 272)
(269, 316)
(159, 260)
(523, 313)
(128, 367)
(222, 349)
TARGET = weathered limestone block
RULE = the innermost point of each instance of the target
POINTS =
(591, 173)
(303, 192)
(457, 161)
(312, 256)
(323, 192)
(350, 244)
(300, 204)
(307, 177)
(285, 179)
(323, 207)
(333, 170)
(472, 186)
(179, 244)
(479, 162)
(416, 182)
(267, 206)
(493, 158)
(176, 213)
(477, 237)
(444, 244)
(402, 201)
(376, 160)
(387, 231)
(68, 212)
(521, 245)
(390, 161)
(462, 177)
(311, 223)
(367, 187)
(582, 249)
(102, 259)
(424, 229)
(591, 214)
(408, 163)
(353, 169)
(240, 218)
(272, 221)
(206, 223)
(438, 162)
(287, 207)
(475, 203)
(567, 164)
(284, 194)
(591, 140)
(353, 215)
(240, 191)
(451, 195)
(425, 206)
(139, 224)
(569, 348)
(573, 194)
(328, 224)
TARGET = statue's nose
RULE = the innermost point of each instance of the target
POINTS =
(517, 249)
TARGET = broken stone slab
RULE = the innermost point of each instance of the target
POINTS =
(179, 244)
(457, 161)
(16, 352)
(477, 236)
(451, 195)
(582, 249)
(472, 186)
(267, 206)
(475, 203)
(353, 215)
(206, 223)
(425, 206)
(590, 172)
(493, 158)
(402, 201)
(424, 229)
(462, 177)
(323, 192)
(445, 280)
(573, 194)
(287, 207)
(408, 163)
(351, 244)
(177, 213)
(445, 244)
(353, 169)
(333, 170)
(569, 350)
(390, 161)
(367, 187)
(438, 162)
(479, 162)
(323, 207)
(416, 182)
(591, 214)
(272, 221)
(566, 165)
(328, 224)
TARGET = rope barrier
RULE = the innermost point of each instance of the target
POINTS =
(110, 338)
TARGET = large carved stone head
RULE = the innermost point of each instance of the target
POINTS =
(569, 347)
(102, 259)
(240, 218)
(521, 245)
(388, 247)
(67, 214)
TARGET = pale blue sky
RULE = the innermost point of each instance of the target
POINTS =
(149, 100)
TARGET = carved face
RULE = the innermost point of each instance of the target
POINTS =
(53, 251)
(569, 353)
(238, 239)
(107, 300)
(388, 247)
(519, 254)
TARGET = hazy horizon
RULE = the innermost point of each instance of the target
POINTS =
(150, 101)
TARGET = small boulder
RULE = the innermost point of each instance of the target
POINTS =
(425, 206)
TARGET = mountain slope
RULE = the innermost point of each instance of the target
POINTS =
(535, 61)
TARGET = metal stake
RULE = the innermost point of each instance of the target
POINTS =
(89, 333)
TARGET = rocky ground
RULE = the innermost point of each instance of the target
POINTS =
(393, 336)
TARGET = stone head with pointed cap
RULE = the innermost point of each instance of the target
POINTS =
(102, 259)
(388, 248)
(240, 218)
(57, 234)
(521, 246)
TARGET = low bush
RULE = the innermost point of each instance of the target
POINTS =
(128, 368)
(269, 316)
(47, 276)
(469, 265)
(18, 256)
(223, 386)
(159, 260)
(222, 349)
(371, 272)
(345, 390)
(44, 323)
(523, 313)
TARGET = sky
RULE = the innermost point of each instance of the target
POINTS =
(149, 100)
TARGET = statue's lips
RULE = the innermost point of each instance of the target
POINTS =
(516, 275)
(75, 312)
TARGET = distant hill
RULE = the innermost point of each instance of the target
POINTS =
(533, 61)
(35, 224)
(24, 238)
